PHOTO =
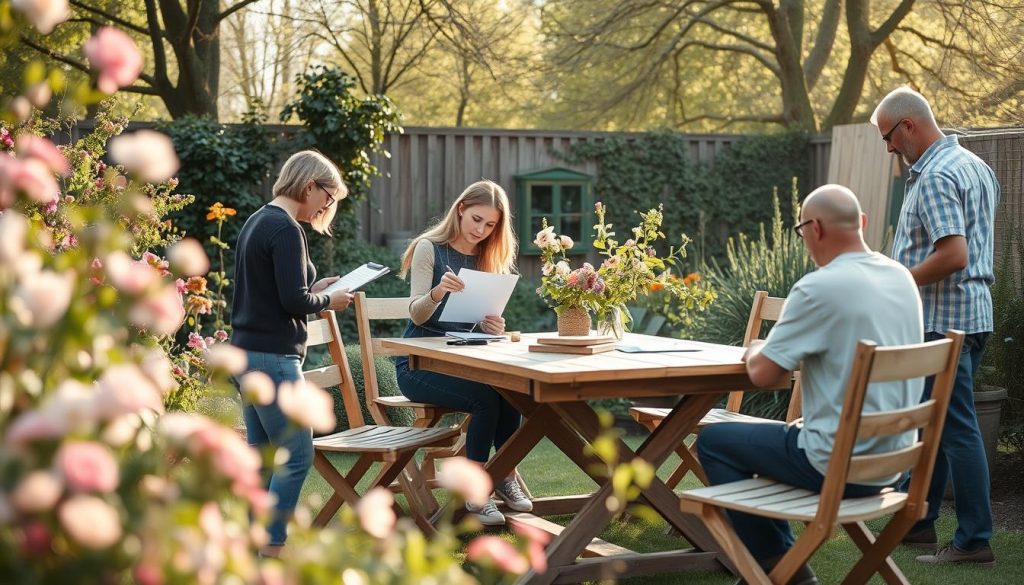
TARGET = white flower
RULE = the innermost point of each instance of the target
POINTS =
(46, 297)
(158, 367)
(562, 269)
(146, 153)
(124, 389)
(547, 269)
(546, 237)
(91, 521)
(307, 405)
(566, 242)
(13, 229)
(227, 358)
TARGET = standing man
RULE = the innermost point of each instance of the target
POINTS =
(945, 238)
(854, 294)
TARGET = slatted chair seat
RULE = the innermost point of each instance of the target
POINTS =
(403, 402)
(393, 447)
(764, 308)
(773, 499)
(825, 510)
(388, 441)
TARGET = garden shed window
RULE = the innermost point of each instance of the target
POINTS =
(564, 197)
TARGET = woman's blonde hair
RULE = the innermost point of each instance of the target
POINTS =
(301, 168)
(497, 253)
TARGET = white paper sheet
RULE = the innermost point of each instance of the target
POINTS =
(359, 277)
(485, 294)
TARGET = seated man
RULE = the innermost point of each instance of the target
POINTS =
(855, 294)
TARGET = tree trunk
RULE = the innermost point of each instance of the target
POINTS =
(796, 102)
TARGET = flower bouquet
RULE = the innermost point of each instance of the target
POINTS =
(630, 269)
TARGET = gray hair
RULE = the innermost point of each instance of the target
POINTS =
(901, 103)
(301, 168)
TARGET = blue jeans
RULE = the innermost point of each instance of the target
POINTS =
(493, 420)
(962, 454)
(736, 451)
(267, 425)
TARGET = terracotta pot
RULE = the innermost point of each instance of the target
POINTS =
(573, 321)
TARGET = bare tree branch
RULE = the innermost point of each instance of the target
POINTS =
(235, 8)
(108, 16)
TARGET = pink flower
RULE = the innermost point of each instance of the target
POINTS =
(32, 146)
(44, 14)
(115, 55)
(87, 466)
(195, 341)
(157, 263)
(257, 388)
(5, 138)
(161, 313)
(562, 268)
(497, 552)
(13, 229)
(36, 180)
(37, 540)
(146, 153)
(566, 242)
(376, 512)
(188, 258)
(181, 285)
(307, 405)
(467, 478)
(124, 389)
(221, 335)
(39, 94)
(91, 521)
(46, 297)
(37, 492)
(536, 540)
(157, 367)
(129, 276)
(226, 358)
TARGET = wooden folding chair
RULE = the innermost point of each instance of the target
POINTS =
(427, 415)
(393, 447)
(825, 510)
(764, 308)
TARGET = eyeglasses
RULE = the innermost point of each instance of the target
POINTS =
(888, 135)
(330, 196)
(799, 228)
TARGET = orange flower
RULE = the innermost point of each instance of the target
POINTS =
(655, 287)
(691, 278)
(219, 213)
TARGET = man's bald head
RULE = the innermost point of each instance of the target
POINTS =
(835, 206)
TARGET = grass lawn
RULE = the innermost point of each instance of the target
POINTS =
(549, 473)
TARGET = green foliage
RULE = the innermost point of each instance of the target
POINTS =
(771, 265)
(220, 163)
(346, 129)
(709, 202)
(1004, 354)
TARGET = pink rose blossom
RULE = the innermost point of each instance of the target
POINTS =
(46, 297)
(257, 388)
(44, 14)
(161, 313)
(129, 276)
(498, 552)
(87, 466)
(37, 492)
(181, 285)
(33, 178)
(124, 389)
(116, 56)
(188, 258)
(32, 146)
(376, 512)
(146, 153)
(307, 405)
(221, 335)
(467, 478)
(195, 341)
(226, 358)
(157, 263)
(90, 521)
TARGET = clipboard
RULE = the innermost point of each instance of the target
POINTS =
(359, 277)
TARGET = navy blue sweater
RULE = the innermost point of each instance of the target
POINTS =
(273, 274)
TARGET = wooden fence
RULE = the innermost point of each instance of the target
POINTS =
(1004, 152)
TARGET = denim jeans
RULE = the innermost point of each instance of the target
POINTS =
(267, 425)
(962, 454)
(493, 420)
(736, 451)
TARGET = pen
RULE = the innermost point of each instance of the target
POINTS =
(449, 269)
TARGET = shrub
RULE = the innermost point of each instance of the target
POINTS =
(771, 265)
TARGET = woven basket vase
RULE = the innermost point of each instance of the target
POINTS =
(573, 321)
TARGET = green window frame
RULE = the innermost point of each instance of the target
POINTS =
(564, 197)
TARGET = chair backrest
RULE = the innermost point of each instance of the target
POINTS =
(885, 364)
(370, 309)
(325, 331)
(764, 308)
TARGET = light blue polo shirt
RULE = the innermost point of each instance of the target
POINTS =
(857, 296)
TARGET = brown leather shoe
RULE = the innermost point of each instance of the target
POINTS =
(924, 539)
(950, 554)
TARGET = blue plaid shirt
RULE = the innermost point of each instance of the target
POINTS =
(951, 192)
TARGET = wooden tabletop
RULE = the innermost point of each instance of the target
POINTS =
(555, 377)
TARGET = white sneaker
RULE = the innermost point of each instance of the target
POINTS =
(488, 514)
(512, 494)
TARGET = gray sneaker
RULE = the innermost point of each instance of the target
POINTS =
(950, 554)
(512, 494)
(488, 514)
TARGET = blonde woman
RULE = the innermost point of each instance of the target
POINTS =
(275, 288)
(476, 233)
